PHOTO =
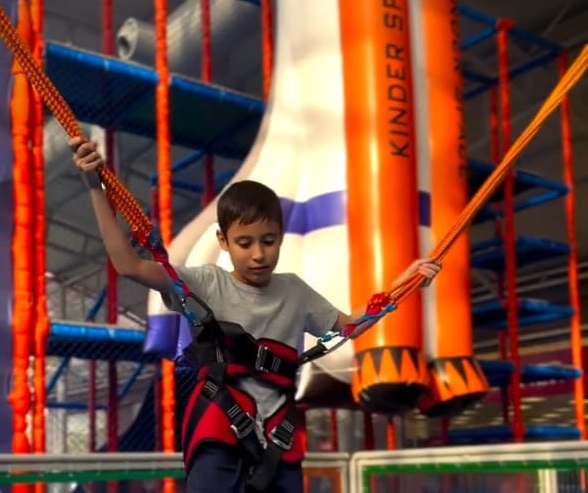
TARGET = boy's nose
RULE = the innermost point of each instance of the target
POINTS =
(258, 253)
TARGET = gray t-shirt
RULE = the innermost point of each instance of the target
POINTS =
(283, 310)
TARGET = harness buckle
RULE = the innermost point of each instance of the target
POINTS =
(266, 361)
(210, 390)
(283, 435)
(242, 423)
(262, 353)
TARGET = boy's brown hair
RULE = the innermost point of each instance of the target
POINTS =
(247, 202)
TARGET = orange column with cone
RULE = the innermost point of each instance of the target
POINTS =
(456, 380)
(390, 374)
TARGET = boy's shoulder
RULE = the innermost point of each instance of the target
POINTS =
(198, 274)
(289, 281)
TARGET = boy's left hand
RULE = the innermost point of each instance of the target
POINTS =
(426, 268)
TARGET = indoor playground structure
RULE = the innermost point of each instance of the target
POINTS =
(386, 141)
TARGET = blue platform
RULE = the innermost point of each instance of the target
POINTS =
(121, 96)
(530, 190)
(492, 315)
(97, 342)
(502, 433)
(490, 255)
(498, 373)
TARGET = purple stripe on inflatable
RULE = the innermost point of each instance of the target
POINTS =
(317, 213)
(330, 210)
(6, 224)
(167, 335)
(425, 209)
(162, 335)
(6, 218)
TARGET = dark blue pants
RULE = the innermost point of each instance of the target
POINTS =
(219, 469)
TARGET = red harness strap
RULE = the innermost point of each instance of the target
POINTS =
(218, 411)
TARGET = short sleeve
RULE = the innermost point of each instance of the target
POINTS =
(198, 279)
(321, 315)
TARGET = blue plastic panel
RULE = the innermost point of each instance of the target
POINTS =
(97, 342)
(504, 432)
(492, 315)
(121, 96)
(489, 255)
(530, 189)
(498, 372)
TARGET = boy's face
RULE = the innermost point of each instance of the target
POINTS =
(254, 250)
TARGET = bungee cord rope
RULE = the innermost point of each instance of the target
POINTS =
(147, 236)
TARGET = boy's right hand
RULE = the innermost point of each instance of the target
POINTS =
(87, 159)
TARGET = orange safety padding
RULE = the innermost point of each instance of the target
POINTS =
(456, 379)
(450, 333)
(22, 248)
(164, 185)
(42, 317)
(381, 185)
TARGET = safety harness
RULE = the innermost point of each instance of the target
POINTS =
(218, 411)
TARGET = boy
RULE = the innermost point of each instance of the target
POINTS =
(274, 308)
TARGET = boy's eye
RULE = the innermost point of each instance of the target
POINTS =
(269, 241)
(244, 243)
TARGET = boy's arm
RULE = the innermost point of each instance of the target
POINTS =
(125, 260)
(427, 268)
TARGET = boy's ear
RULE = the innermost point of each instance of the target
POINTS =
(222, 240)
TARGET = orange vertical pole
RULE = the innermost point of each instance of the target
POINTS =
(42, 317)
(390, 434)
(111, 275)
(164, 185)
(495, 155)
(390, 374)
(333, 421)
(267, 46)
(22, 248)
(206, 76)
(509, 236)
(573, 286)
(368, 431)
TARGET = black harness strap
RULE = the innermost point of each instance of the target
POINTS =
(280, 441)
(215, 346)
(261, 464)
(242, 423)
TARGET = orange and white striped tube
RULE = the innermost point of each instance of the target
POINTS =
(456, 379)
(390, 373)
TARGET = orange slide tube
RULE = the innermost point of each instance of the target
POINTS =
(390, 374)
(456, 379)
(22, 248)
